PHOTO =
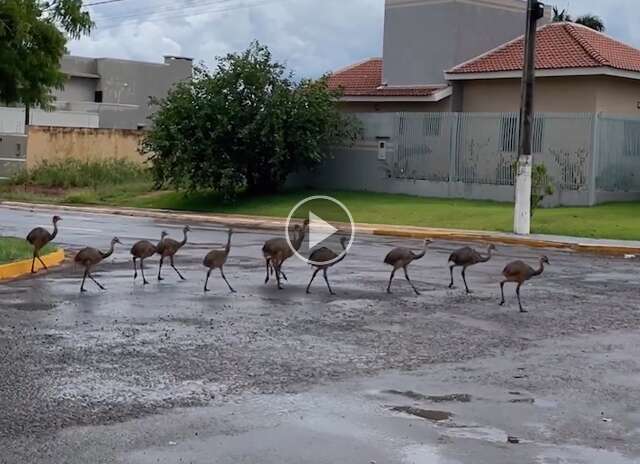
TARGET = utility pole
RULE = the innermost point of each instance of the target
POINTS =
(522, 213)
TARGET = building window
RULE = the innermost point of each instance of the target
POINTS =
(510, 131)
(98, 96)
(632, 139)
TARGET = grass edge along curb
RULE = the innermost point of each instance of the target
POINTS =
(20, 268)
(276, 223)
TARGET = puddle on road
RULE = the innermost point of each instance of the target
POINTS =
(451, 398)
(429, 414)
(423, 454)
(473, 432)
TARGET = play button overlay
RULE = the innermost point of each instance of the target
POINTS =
(328, 221)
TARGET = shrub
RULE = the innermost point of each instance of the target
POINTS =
(541, 186)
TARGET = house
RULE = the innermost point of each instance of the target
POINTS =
(578, 70)
(119, 91)
(422, 39)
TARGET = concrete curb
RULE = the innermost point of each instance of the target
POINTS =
(273, 223)
(21, 268)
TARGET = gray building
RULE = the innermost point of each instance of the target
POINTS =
(119, 91)
(423, 38)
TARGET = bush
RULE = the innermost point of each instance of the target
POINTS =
(72, 173)
(246, 125)
(541, 186)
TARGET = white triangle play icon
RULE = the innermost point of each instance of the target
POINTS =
(319, 230)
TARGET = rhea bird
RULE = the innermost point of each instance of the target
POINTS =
(216, 259)
(142, 250)
(39, 237)
(466, 257)
(89, 257)
(519, 272)
(400, 258)
(167, 248)
(324, 258)
(277, 250)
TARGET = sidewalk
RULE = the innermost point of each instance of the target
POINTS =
(585, 245)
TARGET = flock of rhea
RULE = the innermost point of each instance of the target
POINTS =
(276, 251)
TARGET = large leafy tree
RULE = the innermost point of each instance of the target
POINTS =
(245, 125)
(589, 20)
(33, 37)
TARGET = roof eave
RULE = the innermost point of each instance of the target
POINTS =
(566, 72)
(435, 97)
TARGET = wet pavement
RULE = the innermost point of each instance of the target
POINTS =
(166, 374)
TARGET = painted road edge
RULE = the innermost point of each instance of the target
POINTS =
(22, 268)
(274, 223)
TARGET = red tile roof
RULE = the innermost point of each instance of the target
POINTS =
(558, 46)
(365, 80)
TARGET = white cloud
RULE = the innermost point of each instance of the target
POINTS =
(311, 36)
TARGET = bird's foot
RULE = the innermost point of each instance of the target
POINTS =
(417, 292)
(451, 286)
(160, 279)
(280, 287)
(502, 303)
(146, 282)
(308, 292)
(333, 293)
(182, 278)
(522, 310)
(389, 292)
(206, 290)
(469, 292)
(232, 290)
(82, 290)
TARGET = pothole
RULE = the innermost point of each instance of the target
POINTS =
(432, 415)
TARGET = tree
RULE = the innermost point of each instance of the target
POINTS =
(246, 125)
(588, 20)
(592, 21)
(33, 37)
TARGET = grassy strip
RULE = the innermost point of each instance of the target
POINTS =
(613, 221)
(17, 249)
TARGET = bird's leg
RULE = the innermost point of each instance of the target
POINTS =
(522, 310)
(464, 278)
(160, 267)
(312, 277)
(282, 274)
(144, 279)
(174, 268)
(86, 271)
(390, 279)
(225, 279)
(502, 292)
(277, 270)
(206, 281)
(42, 262)
(269, 268)
(135, 269)
(451, 272)
(324, 274)
(406, 275)
(33, 263)
(95, 281)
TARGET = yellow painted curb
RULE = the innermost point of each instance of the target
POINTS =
(20, 268)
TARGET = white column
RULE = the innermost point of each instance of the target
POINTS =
(522, 213)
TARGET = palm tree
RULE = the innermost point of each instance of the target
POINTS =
(589, 20)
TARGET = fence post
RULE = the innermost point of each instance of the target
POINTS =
(453, 148)
(595, 154)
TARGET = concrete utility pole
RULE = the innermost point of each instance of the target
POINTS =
(522, 214)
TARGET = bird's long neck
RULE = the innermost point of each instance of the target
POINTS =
(184, 240)
(540, 269)
(484, 259)
(299, 239)
(421, 254)
(110, 252)
(227, 247)
(55, 231)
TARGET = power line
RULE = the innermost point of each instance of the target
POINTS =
(102, 2)
(196, 10)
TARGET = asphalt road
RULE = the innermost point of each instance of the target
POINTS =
(167, 374)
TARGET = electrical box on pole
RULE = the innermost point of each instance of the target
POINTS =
(522, 213)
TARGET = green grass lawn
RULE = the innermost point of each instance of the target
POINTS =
(16, 249)
(615, 221)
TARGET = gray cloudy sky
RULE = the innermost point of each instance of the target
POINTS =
(311, 36)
